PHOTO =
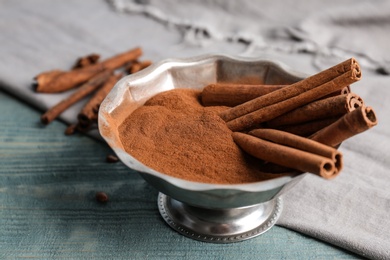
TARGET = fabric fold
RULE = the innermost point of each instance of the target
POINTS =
(332, 30)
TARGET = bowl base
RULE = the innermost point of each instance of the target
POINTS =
(219, 225)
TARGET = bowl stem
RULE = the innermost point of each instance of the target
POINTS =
(219, 225)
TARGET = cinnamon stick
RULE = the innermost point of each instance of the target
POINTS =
(79, 94)
(286, 156)
(71, 129)
(137, 66)
(324, 108)
(86, 61)
(122, 58)
(59, 81)
(345, 90)
(274, 110)
(307, 128)
(88, 114)
(295, 89)
(234, 94)
(342, 91)
(347, 126)
(300, 143)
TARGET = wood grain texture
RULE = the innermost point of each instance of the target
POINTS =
(48, 209)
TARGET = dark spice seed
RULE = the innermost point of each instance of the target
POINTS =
(71, 129)
(101, 197)
(112, 158)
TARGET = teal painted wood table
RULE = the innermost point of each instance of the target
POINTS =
(48, 209)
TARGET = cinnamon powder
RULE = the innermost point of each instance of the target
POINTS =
(174, 134)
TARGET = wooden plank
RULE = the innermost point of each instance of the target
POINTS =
(48, 210)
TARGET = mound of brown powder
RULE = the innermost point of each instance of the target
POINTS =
(175, 135)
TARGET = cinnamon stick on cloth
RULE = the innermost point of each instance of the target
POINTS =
(86, 61)
(349, 66)
(324, 108)
(88, 114)
(137, 66)
(86, 89)
(58, 81)
(274, 110)
(291, 151)
(224, 94)
(347, 126)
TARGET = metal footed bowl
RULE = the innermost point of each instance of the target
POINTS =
(207, 212)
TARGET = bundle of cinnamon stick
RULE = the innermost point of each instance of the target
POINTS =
(297, 126)
(88, 78)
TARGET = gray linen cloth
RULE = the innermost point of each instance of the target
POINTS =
(350, 211)
(330, 29)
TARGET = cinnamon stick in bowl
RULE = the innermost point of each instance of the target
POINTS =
(342, 91)
(306, 94)
(234, 94)
(347, 126)
(324, 108)
(349, 67)
(307, 128)
(300, 143)
(277, 152)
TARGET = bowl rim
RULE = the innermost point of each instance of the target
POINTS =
(156, 67)
(154, 70)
